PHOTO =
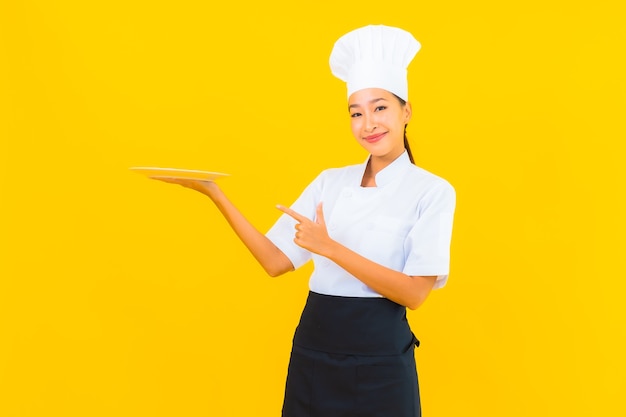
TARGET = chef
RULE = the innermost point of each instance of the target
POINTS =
(379, 235)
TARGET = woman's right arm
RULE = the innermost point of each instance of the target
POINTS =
(272, 259)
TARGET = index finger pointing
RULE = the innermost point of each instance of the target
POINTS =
(297, 216)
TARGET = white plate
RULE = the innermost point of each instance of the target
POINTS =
(157, 172)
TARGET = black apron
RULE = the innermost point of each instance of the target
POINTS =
(352, 357)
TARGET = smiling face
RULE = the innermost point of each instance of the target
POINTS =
(377, 120)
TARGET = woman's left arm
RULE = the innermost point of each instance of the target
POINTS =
(409, 291)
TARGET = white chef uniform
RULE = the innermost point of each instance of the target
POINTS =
(404, 223)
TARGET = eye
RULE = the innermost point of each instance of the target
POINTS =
(355, 115)
(380, 108)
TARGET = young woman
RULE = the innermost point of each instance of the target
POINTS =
(379, 235)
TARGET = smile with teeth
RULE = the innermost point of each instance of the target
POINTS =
(374, 138)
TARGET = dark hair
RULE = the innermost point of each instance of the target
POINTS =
(406, 140)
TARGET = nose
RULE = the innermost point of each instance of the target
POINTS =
(370, 123)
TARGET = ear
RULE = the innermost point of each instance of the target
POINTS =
(408, 112)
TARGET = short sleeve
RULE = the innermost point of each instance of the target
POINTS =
(282, 232)
(427, 246)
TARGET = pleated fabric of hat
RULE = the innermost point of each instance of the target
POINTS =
(374, 56)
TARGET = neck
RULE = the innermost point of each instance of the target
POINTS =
(378, 163)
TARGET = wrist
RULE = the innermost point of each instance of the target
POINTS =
(333, 248)
(211, 190)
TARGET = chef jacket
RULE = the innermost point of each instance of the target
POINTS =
(404, 223)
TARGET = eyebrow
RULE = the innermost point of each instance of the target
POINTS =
(371, 102)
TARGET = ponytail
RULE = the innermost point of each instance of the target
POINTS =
(407, 147)
(406, 141)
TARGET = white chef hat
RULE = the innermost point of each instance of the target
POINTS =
(374, 56)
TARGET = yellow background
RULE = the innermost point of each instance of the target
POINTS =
(121, 296)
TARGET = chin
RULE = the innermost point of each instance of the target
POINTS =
(379, 151)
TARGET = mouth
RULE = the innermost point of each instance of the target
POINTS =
(374, 138)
